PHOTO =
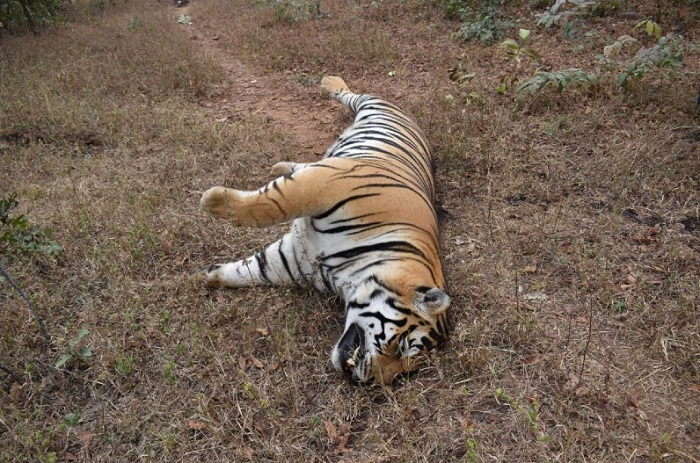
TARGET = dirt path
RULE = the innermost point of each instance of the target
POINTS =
(248, 93)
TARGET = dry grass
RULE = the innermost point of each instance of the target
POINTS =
(110, 127)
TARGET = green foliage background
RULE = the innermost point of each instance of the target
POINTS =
(21, 15)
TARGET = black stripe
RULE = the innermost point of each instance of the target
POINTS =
(356, 305)
(384, 320)
(262, 263)
(298, 264)
(342, 203)
(283, 258)
(395, 246)
(427, 342)
(273, 201)
(277, 188)
(350, 219)
(393, 303)
(421, 178)
(344, 228)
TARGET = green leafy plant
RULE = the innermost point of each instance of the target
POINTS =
(41, 445)
(652, 28)
(18, 236)
(471, 456)
(461, 77)
(125, 364)
(531, 412)
(603, 8)
(666, 54)
(458, 9)
(169, 371)
(184, 19)
(610, 51)
(75, 351)
(249, 390)
(563, 11)
(560, 79)
(485, 26)
(291, 11)
(517, 49)
(72, 419)
(20, 15)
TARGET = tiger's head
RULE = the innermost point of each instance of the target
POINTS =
(386, 334)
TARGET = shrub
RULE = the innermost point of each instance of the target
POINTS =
(485, 26)
(666, 54)
(18, 236)
(561, 79)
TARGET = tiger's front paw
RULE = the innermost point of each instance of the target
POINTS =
(220, 202)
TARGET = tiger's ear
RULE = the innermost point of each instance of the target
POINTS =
(432, 302)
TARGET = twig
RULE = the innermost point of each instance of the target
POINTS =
(588, 340)
(685, 455)
(568, 329)
(2, 423)
(11, 373)
(32, 307)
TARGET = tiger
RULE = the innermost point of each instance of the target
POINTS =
(364, 227)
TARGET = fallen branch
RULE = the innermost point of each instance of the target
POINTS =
(588, 340)
(11, 373)
(32, 307)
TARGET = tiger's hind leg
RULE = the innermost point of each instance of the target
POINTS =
(304, 190)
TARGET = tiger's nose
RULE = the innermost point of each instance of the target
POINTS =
(349, 346)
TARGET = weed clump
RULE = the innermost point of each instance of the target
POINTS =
(484, 23)
(18, 236)
(291, 11)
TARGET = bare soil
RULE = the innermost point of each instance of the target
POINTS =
(246, 91)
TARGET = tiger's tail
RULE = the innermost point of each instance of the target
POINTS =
(337, 89)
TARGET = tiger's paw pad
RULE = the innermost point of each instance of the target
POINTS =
(220, 202)
(334, 86)
(207, 275)
(198, 275)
